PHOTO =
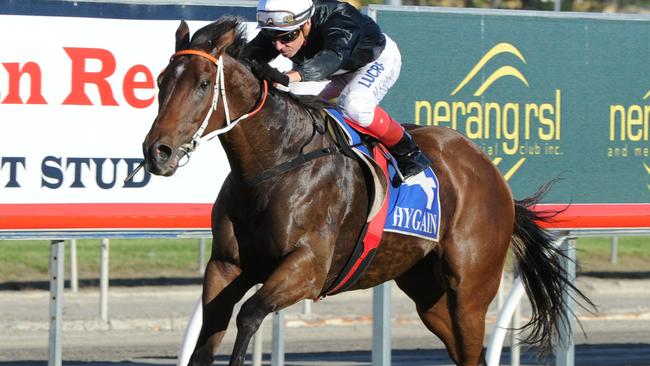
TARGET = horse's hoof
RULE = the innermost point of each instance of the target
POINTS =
(239, 361)
(201, 357)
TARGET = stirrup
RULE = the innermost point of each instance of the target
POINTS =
(398, 171)
(413, 164)
(409, 158)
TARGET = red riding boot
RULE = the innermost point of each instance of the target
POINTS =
(410, 160)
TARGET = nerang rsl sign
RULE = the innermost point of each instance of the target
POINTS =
(543, 94)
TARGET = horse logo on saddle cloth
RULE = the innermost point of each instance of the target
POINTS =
(410, 208)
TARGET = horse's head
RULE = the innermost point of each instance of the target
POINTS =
(188, 90)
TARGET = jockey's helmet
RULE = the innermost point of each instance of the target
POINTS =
(283, 15)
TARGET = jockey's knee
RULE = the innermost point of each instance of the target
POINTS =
(358, 108)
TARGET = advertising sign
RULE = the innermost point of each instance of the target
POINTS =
(77, 97)
(544, 95)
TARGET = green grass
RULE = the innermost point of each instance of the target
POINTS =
(29, 260)
(594, 254)
(153, 258)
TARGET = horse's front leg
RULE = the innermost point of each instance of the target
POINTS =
(298, 277)
(223, 287)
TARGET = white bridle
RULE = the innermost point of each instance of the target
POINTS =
(219, 90)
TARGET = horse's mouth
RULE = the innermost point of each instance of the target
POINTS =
(164, 166)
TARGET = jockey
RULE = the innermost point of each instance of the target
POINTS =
(332, 43)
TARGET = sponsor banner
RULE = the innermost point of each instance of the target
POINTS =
(145, 9)
(544, 95)
(77, 97)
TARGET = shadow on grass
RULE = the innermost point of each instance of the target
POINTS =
(181, 281)
(617, 275)
(121, 282)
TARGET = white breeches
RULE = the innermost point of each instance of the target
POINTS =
(359, 92)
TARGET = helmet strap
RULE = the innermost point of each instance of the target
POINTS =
(305, 34)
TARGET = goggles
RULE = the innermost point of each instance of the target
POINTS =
(282, 19)
(282, 37)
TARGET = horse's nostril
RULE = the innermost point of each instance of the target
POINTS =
(163, 153)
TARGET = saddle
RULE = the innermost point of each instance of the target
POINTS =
(402, 203)
(411, 208)
(376, 173)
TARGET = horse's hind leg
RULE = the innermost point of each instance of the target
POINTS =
(449, 307)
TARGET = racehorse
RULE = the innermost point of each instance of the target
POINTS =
(293, 230)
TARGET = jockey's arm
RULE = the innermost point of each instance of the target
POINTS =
(340, 33)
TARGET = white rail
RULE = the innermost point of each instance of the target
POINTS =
(564, 352)
(381, 297)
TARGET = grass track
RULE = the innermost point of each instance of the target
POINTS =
(154, 258)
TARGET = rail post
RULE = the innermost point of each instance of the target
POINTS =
(191, 335)
(565, 350)
(202, 242)
(613, 257)
(277, 345)
(103, 280)
(74, 271)
(57, 269)
(381, 325)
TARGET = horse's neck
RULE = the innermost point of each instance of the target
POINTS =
(272, 137)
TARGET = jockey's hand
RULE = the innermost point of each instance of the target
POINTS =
(269, 73)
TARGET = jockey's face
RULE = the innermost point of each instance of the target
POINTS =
(289, 43)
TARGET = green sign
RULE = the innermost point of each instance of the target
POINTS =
(543, 94)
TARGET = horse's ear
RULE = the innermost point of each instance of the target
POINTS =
(182, 36)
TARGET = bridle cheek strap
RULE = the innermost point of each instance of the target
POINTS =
(219, 91)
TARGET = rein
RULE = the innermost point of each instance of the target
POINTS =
(296, 162)
(219, 90)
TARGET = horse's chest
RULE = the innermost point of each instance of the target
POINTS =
(257, 242)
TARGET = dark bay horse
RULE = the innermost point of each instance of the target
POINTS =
(294, 232)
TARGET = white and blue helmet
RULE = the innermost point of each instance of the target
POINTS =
(283, 15)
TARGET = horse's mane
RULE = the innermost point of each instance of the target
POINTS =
(311, 101)
(211, 32)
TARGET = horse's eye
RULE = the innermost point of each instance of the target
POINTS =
(205, 83)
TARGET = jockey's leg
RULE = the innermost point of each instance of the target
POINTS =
(359, 102)
(410, 160)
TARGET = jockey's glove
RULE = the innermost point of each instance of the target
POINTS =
(269, 73)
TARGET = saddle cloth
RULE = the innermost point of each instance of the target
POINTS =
(412, 208)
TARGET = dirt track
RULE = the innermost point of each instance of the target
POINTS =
(146, 325)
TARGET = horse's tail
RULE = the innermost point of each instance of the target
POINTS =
(539, 263)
